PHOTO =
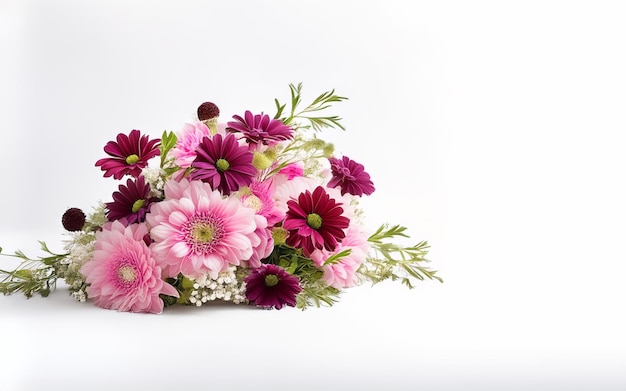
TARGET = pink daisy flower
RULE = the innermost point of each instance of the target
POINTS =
(343, 273)
(315, 221)
(201, 232)
(223, 163)
(188, 140)
(130, 154)
(350, 176)
(260, 128)
(123, 275)
(270, 286)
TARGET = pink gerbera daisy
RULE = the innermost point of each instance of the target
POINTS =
(201, 232)
(315, 221)
(263, 246)
(131, 202)
(223, 163)
(260, 197)
(342, 274)
(130, 154)
(260, 128)
(123, 275)
(350, 176)
(270, 286)
(188, 140)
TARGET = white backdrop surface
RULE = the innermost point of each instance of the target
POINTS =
(494, 130)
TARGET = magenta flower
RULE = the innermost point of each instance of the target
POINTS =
(201, 232)
(123, 275)
(350, 176)
(131, 202)
(260, 128)
(315, 221)
(130, 154)
(270, 286)
(222, 163)
(292, 170)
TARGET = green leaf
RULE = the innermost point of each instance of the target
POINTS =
(279, 109)
(335, 258)
(168, 141)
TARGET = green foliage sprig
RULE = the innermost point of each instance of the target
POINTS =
(168, 141)
(33, 275)
(389, 260)
(322, 102)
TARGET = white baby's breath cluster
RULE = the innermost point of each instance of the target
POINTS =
(80, 249)
(97, 218)
(225, 287)
(155, 178)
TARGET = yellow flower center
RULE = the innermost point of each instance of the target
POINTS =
(202, 232)
(137, 205)
(314, 220)
(222, 165)
(132, 159)
(253, 202)
(271, 280)
(127, 274)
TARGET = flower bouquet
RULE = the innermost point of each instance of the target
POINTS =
(257, 210)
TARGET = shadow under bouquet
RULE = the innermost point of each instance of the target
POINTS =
(257, 210)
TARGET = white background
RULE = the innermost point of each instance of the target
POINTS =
(491, 129)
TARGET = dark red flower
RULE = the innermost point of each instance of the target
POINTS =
(131, 203)
(270, 286)
(73, 219)
(260, 128)
(208, 110)
(130, 154)
(222, 163)
(315, 221)
(350, 176)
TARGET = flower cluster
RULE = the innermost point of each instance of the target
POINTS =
(257, 210)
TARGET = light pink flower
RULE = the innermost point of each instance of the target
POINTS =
(343, 273)
(263, 246)
(188, 140)
(123, 274)
(260, 197)
(200, 231)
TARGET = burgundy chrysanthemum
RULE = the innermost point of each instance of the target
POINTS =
(350, 176)
(222, 163)
(271, 286)
(73, 219)
(315, 221)
(131, 203)
(130, 154)
(260, 128)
